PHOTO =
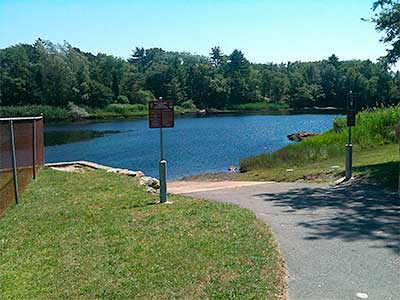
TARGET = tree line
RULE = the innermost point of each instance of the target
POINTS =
(54, 74)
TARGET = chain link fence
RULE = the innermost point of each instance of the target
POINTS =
(21, 155)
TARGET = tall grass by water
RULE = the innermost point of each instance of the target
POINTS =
(75, 112)
(374, 127)
(261, 106)
(49, 112)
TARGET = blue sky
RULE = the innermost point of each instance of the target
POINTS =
(266, 31)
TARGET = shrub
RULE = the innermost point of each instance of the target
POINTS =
(143, 96)
(339, 124)
(123, 99)
(76, 112)
(189, 104)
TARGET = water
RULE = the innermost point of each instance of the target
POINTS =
(195, 145)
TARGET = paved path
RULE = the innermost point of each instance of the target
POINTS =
(339, 243)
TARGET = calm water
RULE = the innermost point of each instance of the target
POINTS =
(195, 145)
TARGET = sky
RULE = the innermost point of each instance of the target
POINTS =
(265, 30)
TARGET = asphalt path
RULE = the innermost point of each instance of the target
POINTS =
(339, 243)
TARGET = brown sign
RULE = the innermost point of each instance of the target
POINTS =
(161, 114)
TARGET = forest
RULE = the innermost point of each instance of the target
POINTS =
(46, 73)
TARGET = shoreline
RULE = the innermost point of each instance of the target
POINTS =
(210, 113)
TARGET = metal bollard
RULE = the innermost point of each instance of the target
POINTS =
(349, 155)
(163, 181)
(349, 160)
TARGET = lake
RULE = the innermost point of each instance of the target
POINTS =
(196, 144)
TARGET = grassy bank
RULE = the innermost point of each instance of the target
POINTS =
(322, 156)
(260, 106)
(97, 235)
(111, 111)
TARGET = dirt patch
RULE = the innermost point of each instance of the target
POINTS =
(211, 177)
(71, 168)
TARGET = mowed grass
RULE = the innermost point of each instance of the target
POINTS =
(97, 235)
(322, 158)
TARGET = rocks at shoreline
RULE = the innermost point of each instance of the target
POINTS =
(301, 136)
(153, 184)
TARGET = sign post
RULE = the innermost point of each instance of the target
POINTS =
(351, 121)
(161, 115)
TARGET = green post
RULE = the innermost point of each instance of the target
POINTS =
(351, 121)
(163, 169)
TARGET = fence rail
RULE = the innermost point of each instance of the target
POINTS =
(21, 155)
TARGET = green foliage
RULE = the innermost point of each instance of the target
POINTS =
(121, 110)
(261, 106)
(76, 112)
(189, 104)
(52, 74)
(339, 124)
(143, 96)
(100, 235)
(387, 19)
(373, 128)
(50, 113)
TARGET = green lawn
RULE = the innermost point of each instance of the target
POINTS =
(97, 235)
(379, 165)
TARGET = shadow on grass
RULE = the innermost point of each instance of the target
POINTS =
(351, 213)
(384, 174)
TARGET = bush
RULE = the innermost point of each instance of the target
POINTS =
(123, 99)
(339, 124)
(189, 104)
(123, 109)
(76, 112)
(143, 96)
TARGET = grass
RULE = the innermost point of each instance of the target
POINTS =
(111, 111)
(50, 113)
(260, 106)
(374, 143)
(97, 235)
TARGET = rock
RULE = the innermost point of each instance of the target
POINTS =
(233, 169)
(124, 172)
(114, 170)
(362, 295)
(202, 111)
(149, 181)
(300, 136)
(135, 174)
(150, 190)
(289, 170)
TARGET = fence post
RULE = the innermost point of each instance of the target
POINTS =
(14, 160)
(34, 147)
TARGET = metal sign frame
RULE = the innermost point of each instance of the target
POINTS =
(161, 114)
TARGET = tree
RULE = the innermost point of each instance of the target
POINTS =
(216, 56)
(387, 20)
(333, 60)
(139, 58)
